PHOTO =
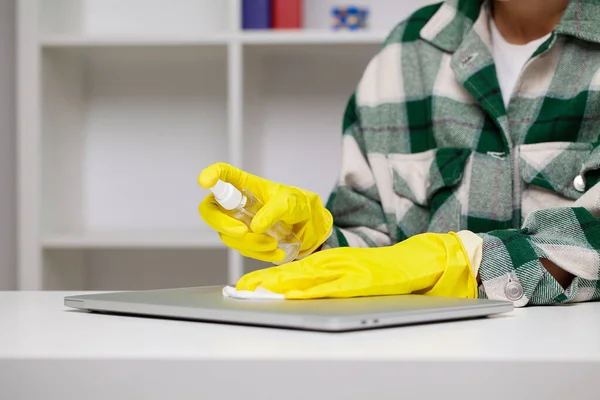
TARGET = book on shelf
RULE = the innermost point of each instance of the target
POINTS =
(287, 14)
(256, 14)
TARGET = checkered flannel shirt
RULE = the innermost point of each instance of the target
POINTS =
(429, 146)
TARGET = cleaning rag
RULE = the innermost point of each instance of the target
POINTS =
(258, 294)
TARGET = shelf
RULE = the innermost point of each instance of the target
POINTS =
(131, 240)
(309, 37)
(318, 37)
(52, 41)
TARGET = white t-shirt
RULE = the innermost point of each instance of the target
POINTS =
(510, 59)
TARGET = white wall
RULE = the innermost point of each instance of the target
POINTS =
(7, 147)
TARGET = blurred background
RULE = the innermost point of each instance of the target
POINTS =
(109, 109)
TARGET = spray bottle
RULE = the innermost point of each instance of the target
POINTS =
(243, 206)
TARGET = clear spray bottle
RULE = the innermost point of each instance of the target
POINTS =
(243, 206)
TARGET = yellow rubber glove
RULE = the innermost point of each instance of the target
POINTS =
(431, 263)
(301, 210)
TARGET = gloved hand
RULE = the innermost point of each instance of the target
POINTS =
(432, 264)
(303, 211)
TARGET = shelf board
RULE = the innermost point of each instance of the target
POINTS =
(308, 37)
(97, 240)
(317, 37)
(75, 41)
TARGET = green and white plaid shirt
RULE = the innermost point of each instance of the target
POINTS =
(429, 146)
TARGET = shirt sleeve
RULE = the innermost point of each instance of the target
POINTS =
(568, 236)
(359, 219)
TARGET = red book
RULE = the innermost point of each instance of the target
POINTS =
(287, 14)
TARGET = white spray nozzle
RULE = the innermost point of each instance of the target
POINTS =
(226, 195)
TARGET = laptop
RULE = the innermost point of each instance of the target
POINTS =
(207, 304)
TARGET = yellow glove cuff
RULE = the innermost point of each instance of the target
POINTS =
(473, 247)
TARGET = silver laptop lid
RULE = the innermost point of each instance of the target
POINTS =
(208, 304)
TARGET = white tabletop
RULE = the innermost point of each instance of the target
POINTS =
(547, 345)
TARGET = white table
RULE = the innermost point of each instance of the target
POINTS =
(49, 352)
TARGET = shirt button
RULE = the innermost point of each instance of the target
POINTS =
(579, 183)
(513, 291)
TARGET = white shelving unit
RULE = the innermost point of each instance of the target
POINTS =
(123, 102)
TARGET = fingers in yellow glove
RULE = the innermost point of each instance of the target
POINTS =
(217, 219)
(252, 245)
(225, 172)
(240, 179)
(290, 277)
(431, 264)
(284, 206)
(236, 234)
(301, 210)
(331, 273)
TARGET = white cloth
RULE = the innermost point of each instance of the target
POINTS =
(259, 294)
(510, 59)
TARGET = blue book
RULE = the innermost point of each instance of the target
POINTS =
(256, 14)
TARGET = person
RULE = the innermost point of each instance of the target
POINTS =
(470, 166)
